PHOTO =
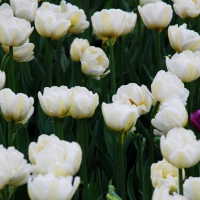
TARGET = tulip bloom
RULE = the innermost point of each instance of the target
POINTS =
(17, 107)
(94, 62)
(185, 65)
(181, 38)
(180, 148)
(6, 10)
(143, 2)
(52, 155)
(2, 79)
(118, 117)
(156, 15)
(166, 86)
(195, 120)
(77, 49)
(51, 187)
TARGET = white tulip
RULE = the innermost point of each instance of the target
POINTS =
(166, 86)
(132, 94)
(55, 101)
(94, 62)
(172, 113)
(77, 49)
(185, 65)
(14, 31)
(52, 155)
(25, 9)
(17, 107)
(6, 10)
(51, 187)
(118, 117)
(20, 168)
(181, 38)
(156, 15)
(109, 23)
(191, 188)
(83, 103)
(180, 148)
(22, 53)
(187, 8)
(76, 16)
(2, 79)
(143, 2)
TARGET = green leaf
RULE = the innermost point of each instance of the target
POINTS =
(49, 127)
(146, 184)
(130, 190)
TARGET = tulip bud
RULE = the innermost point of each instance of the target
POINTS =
(156, 15)
(2, 79)
(185, 65)
(77, 49)
(76, 16)
(25, 9)
(187, 8)
(181, 38)
(51, 187)
(180, 148)
(22, 53)
(52, 155)
(17, 107)
(195, 120)
(118, 117)
(83, 103)
(14, 31)
(166, 86)
(94, 62)
(55, 101)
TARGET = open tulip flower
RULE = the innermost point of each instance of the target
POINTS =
(6, 10)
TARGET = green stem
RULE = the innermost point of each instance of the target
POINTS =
(113, 83)
(11, 126)
(122, 171)
(3, 194)
(120, 57)
(58, 67)
(81, 132)
(58, 128)
(48, 63)
(158, 49)
(11, 70)
(180, 177)
(80, 75)
(104, 89)
(151, 140)
(197, 95)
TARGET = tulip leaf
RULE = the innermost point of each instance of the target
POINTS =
(49, 127)
(147, 187)
(42, 117)
(2, 139)
(4, 62)
(106, 164)
(19, 88)
(130, 190)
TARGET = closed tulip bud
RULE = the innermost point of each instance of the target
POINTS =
(94, 62)
(6, 10)
(52, 155)
(109, 23)
(163, 173)
(129, 23)
(77, 49)
(180, 148)
(5, 168)
(181, 38)
(14, 31)
(20, 168)
(187, 8)
(17, 107)
(118, 117)
(164, 194)
(55, 101)
(25, 9)
(83, 103)
(144, 2)
(51, 187)
(51, 22)
(2, 79)
(76, 16)
(132, 94)
(22, 53)
(172, 113)
(185, 65)
(156, 15)
(166, 86)
(191, 188)
(195, 120)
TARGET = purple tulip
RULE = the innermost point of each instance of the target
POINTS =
(195, 120)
